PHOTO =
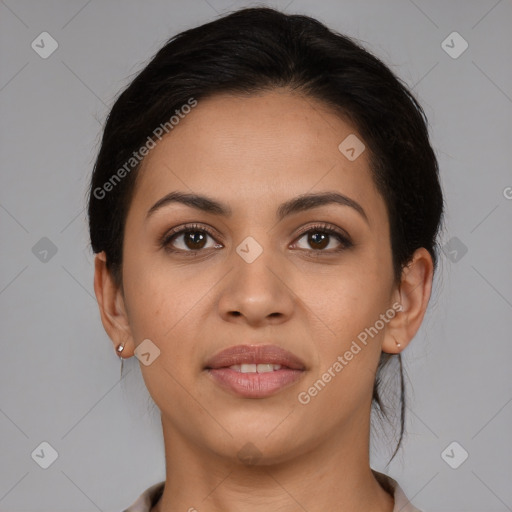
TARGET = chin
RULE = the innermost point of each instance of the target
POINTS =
(258, 447)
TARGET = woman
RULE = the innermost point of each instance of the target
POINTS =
(265, 208)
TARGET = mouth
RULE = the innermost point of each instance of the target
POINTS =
(256, 368)
(255, 358)
(255, 371)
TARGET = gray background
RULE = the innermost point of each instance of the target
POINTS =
(59, 375)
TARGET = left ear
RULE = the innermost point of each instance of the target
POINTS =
(413, 294)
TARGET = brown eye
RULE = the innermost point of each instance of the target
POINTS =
(188, 240)
(194, 240)
(320, 238)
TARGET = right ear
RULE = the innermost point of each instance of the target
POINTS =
(112, 307)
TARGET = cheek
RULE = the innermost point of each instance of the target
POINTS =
(346, 325)
(349, 297)
(346, 307)
(348, 345)
(164, 308)
(161, 303)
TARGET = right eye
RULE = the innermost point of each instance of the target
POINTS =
(191, 238)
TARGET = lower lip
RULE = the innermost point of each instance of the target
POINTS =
(255, 385)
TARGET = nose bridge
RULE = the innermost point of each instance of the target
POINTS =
(256, 288)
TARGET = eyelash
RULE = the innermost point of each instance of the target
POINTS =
(325, 228)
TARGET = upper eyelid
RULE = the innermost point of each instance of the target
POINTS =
(179, 230)
(327, 226)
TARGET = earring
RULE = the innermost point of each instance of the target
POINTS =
(397, 344)
(119, 349)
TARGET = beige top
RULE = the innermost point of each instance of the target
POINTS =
(151, 495)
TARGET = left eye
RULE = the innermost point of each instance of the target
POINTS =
(321, 238)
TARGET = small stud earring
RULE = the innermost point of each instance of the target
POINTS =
(119, 349)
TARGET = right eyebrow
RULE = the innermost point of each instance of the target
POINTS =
(203, 203)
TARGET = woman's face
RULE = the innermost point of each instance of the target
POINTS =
(263, 274)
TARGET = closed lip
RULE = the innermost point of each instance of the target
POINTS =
(254, 354)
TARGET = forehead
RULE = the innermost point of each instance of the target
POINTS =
(243, 149)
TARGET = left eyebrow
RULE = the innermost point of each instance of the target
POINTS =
(309, 201)
(295, 205)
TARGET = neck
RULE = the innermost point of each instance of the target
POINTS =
(339, 478)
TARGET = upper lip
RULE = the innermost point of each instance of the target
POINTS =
(254, 354)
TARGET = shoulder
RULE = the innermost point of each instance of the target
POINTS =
(147, 499)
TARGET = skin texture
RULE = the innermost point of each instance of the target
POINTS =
(252, 154)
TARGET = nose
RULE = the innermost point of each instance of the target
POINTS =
(257, 293)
